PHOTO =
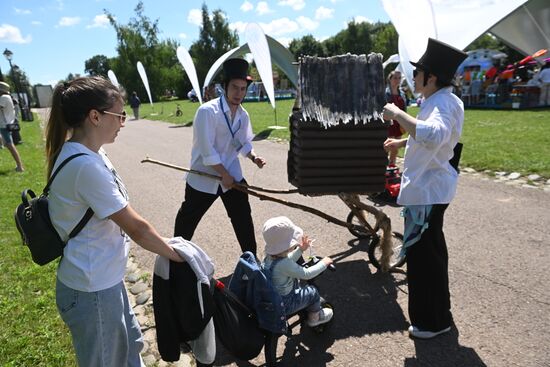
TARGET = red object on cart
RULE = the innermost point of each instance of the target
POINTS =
(393, 181)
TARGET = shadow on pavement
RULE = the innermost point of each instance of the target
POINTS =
(443, 351)
(186, 124)
(364, 303)
(262, 135)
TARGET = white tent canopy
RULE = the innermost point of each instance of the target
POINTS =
(280, 56)
(527, 29)
(523, 25)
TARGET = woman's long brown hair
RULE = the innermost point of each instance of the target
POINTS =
(71, 103)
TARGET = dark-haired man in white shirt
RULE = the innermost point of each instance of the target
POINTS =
(221, 131)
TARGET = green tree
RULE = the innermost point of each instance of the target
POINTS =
(215, 39)
(137, 41)
(385, 39)
(97, 65)
(355, 39)
(307, 45)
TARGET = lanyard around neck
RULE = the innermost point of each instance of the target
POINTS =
(227, 120)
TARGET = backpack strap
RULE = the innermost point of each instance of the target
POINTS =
(87, 216)
(89, 213)
(67, 160)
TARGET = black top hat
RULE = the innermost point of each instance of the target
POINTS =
(236, 69)
(441, 60)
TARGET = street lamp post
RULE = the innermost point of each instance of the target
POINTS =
(25, 113)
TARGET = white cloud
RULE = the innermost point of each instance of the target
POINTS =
(279, 27)
(22, 11)
(362, 19)
(263, 8)
(247, 6)
(182, 36)
(195, 17)
(11, 34)
(323, 13)
(238, 26)
(285, 41)
(68, 21)
(100, 21)
(307, 23)
(294, 4)
(335, 1)
(36, 22)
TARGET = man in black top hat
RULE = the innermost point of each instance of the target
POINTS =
(221, 131)
(428, 185)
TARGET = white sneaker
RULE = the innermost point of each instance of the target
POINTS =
(325, 315)
(422, 334)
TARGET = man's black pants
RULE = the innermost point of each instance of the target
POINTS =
(428, 277)
(236, 204)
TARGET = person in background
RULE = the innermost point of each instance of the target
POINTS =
(543, 78)
(7, 118)
(284, 245)
(16, 134)
(221, 131)
(91, 298)
(395, 95)
(134, 104)
(428, 184)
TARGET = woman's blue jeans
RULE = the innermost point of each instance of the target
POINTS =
(103, 326)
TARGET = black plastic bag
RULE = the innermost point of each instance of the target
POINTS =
(236, 325)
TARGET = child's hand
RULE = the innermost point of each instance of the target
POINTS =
(327, 260)
(306, 242)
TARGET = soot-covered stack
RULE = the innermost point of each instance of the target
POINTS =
(337, 137)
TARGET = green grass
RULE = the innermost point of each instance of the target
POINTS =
(262, 115)
(507, 141)
(32, 333)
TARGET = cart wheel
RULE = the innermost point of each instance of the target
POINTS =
(375, 253)
(359, 233)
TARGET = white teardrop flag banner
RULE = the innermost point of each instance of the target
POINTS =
(187, 62)
(143, 75)
(257, 43)
(112, 78)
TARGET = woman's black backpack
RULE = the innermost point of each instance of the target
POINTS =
(32, 219)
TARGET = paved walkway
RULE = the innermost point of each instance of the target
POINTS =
(498, 236)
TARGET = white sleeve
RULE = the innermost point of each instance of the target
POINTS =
(247, 136)
(204, 130)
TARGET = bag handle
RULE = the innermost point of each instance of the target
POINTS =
(26, 193)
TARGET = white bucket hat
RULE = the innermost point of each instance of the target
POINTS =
(280, 234)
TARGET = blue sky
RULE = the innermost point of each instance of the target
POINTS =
(52, 38)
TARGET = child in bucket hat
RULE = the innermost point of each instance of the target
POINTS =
(284, 244)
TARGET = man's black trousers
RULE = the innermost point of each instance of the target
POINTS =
(236, 204)
(428, 277)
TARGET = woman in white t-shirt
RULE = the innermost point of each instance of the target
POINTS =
(90, 293)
